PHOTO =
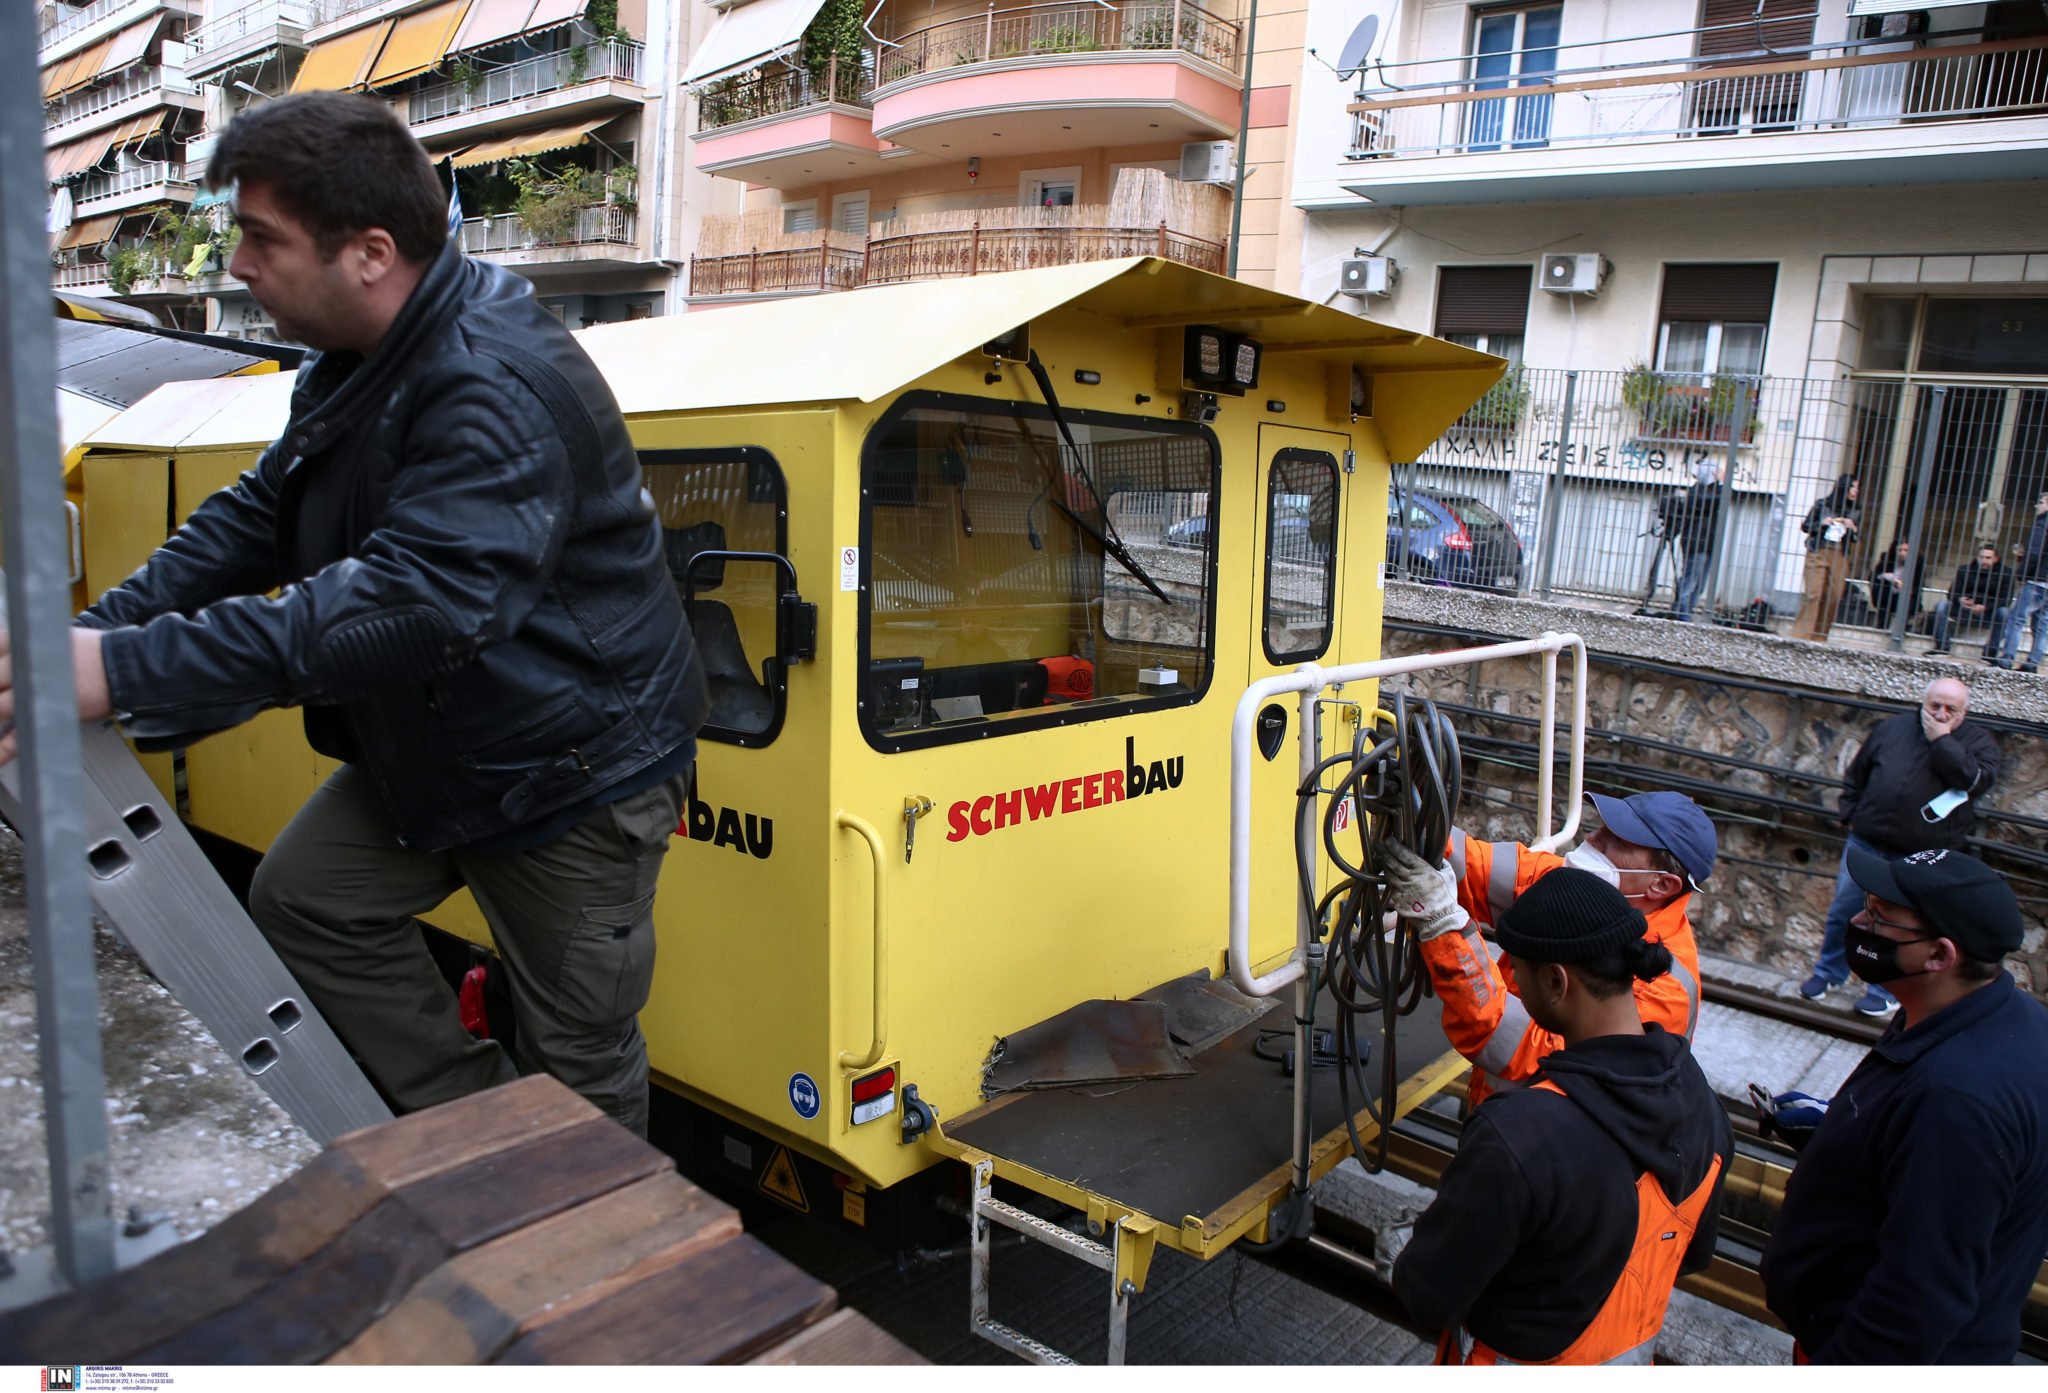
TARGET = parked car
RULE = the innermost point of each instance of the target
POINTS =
(1293, 530)
(1451, 539)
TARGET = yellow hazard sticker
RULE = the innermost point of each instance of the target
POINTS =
(779, 1181)
(853, 1208)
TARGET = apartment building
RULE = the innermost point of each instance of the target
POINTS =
(119, 111)
(1794, 239)
(904, 140)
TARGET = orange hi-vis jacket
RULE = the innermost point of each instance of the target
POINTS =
(1625, 1329)
(1483, 1015)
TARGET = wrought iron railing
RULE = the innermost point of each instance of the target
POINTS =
(81, 106)
(916, 256)
(127, 181)
(1029, 31)
(1440, 107)
(606, 224)
(774, 91)
(613, 60)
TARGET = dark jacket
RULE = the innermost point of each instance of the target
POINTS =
(1699, 526)
(1990, 586)
(1536, 1215)
(1914, 1224)
(1897, 771)
(1834, 503)
(2034, 566)
(1884, 594)
(475, 608)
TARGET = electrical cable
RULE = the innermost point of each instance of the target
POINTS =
(1400, 781)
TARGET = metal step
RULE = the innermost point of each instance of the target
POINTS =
(154, 887)
(986, 1209)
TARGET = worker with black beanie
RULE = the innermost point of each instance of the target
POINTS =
(1574, 1203)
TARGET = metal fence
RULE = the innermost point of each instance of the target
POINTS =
(1587, 470)
(1039, 30)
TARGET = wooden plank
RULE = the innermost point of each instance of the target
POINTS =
(526, 1183)
(472, 1307)
(841, 1339)
(723, 1308)
(455, 1134)
(229, 1264)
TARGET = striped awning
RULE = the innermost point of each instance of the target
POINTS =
(89, 232)
(73, 73)
(530, 143)
(130, 44)
(495, 21)
(344, 61)
(418, 41)
(64, 161)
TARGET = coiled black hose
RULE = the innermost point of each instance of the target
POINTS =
(1402, 779)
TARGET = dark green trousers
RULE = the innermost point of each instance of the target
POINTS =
(572, 921)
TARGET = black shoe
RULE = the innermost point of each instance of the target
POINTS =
(2031, 667)
(1941, 652)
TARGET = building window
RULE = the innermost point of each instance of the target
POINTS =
(1714, 318)
(1735, 32)
(800, 217)
(1301, 560)
(1484, 307)
(1513, 48)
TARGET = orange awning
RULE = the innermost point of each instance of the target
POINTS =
(130, 44)
(531, 143)
(342, 62)
(83, 67)
(418, 42)
(89, 232)
(63, 161)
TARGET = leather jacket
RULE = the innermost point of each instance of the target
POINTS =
(476, 611)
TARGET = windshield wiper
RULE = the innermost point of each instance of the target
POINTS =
(1107, 538)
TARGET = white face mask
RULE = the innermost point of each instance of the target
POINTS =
(1588, 857)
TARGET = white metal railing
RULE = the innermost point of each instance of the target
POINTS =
(84, 273)
(140, 82)
(237, 25)
(1027, 31)
(613, 60)
(606, 224)
(61, 21)
(126, 181)
(1440, 107)
(1308, 681)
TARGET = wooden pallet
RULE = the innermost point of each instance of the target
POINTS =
(518, 1226)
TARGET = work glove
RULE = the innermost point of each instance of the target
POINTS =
(1791, 1117)
(1424, 895)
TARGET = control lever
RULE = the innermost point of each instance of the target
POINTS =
(914, 807)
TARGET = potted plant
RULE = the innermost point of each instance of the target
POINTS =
(1679, 406)
(1502, 407)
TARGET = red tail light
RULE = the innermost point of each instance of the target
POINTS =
(874, 1085)
(1461, 540)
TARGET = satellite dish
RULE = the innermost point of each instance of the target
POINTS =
(1367, 41)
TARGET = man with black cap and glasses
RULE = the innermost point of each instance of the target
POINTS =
(1655, 848)
(1914, 1224)
(1575, 1203)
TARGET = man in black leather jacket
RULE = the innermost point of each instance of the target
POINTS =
(471, 606)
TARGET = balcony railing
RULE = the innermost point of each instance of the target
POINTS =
(84, 105)
(768, 92)
(1873, 84)
(127, 181)
(62, 21)
(1030, 31)
(614, 59)
(917, 256)
(84, 273)
(251, 20)
(606, 224)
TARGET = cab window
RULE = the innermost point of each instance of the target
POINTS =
(715, 501)
(1011, 582)
(1301, 555)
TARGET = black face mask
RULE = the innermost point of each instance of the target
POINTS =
(1875, 958)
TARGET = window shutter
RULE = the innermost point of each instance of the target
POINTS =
(851, 215)
(800, 219)
(1732, 294)
(1786, 24)
(1482, 299)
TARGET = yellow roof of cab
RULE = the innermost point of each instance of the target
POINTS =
(863, 345)
(207, 414)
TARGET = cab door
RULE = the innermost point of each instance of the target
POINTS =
(1298, 548)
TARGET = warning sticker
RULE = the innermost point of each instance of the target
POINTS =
(780, 1181)
(849, 568)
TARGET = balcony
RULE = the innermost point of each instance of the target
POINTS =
(62, 21)
(603, 236)
(87, 278)
(1016, 81)
(775, 125)
(103, 193)
(140, 90)
(1572, 123)
(248, 31)
(578, 81)
(840, 263)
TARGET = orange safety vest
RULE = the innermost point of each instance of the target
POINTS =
(1625, 1329)
(1493, 1031)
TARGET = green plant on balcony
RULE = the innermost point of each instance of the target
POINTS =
(622, 187)
(468, 74)
(1155, 30)
(1679, 406)
(129, 264)
(719, 103)
(835, 33)
(1063, 38)
(1502, 407)
(579, 64)
(547, 202)
(603, 17)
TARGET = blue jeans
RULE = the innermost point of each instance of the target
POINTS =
(1847, 904)
(2031, 606)
(1692, 579)
(1965, 621)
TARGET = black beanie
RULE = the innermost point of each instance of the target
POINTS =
(1569, 916)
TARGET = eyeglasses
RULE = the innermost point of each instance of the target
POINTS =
(1871, 916)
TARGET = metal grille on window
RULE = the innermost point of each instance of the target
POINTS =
(1301, 555)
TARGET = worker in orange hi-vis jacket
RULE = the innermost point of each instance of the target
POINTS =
(1656, 848)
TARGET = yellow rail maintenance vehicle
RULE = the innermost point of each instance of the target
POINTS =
(1014, 593)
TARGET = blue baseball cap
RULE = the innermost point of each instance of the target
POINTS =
(1667, 820)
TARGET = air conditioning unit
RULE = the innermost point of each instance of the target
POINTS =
(1574, 273)
(1208, 162)
(1369, 275)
